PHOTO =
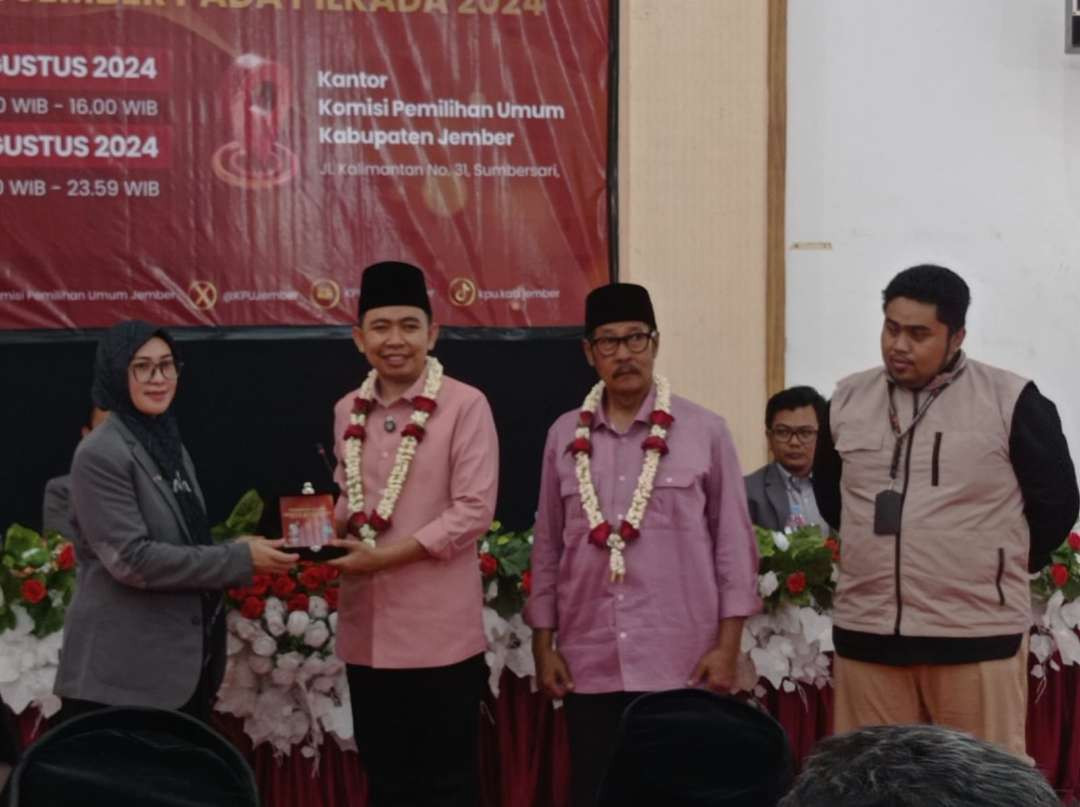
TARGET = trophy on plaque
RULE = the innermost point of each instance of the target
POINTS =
(307, 524)
(255, 99)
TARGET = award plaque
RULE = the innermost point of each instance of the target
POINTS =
(307, 524)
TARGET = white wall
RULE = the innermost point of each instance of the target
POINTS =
(692, 179)
(944, 131)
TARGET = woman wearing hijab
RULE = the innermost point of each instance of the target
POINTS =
(146, 625)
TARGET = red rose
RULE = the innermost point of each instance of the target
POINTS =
(297, 602)
(355, 432)
(362, 406)
(796, 582)
(422, 404)
(600, 533)
(1074, 541)
(580, 445)
(654, 443)
(414, 430)
(356, 521)
(33, 591)
(66, 558)
(237, 594)
(378, 523)
(330, 573)
(283, 586)
(488, 564)
(526, 581)
(1059, 573)
(260, 584)
(628, 532)
(311, 578)
(833, 546)
(585, 418)
(330, 595)
(252, 608)
(661, 418)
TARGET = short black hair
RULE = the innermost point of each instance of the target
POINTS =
(929, 283)
(794, 398)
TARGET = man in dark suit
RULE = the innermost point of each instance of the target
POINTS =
(56, 506)
(780, 494)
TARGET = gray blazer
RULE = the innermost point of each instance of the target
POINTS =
(133, 633)
(767, 498)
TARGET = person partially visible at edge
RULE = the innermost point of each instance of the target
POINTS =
(146, 625)
(780, 494)
(636, 587)
(949, 480)
(418, 466)
(916, 766)
(56, 503)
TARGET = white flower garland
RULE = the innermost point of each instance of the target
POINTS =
(655, 446)
(410, 437)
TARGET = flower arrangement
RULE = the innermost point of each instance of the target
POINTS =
(789, 641)
(283, 677)
(507, 581)
(37, 580)
(1055, 601)
(504, 568)
(797, 567)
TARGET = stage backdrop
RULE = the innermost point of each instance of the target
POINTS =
(234, 162)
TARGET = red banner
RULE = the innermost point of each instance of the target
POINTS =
(237, 162)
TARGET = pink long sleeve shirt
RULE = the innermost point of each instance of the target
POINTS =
(427, 613)
(694, 563)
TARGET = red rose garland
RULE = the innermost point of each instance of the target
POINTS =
(366, 526)
(603, 533)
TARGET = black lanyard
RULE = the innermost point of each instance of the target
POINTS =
(894, 422)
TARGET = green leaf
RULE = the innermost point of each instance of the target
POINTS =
(243, 520)
(49, 622)
(25, 547)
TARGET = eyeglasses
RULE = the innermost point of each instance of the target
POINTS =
(144, 369)
(805, 434)
(635, 342)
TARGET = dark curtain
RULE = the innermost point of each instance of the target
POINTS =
(252, 412)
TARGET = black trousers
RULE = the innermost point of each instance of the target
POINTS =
(591, 725)
(416, 731)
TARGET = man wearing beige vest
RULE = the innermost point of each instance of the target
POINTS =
(948, 480)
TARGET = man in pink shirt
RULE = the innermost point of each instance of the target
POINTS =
(644, 564)
(418, 462)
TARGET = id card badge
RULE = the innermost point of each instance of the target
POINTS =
(887, 512)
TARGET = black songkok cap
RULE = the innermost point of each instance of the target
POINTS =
(393, 283)
(690, 747)
(618, 302)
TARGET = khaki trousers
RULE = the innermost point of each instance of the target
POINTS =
(987, 699)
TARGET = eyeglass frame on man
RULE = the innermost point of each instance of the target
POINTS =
(151, 368)
(616, 341)
(804, 434)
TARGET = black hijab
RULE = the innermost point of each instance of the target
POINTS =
(160, 434)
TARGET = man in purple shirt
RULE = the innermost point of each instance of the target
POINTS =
(644, 564)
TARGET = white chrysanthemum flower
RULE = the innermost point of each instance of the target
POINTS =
(768, 583)
(297, 623)
(316, 634)
(317, 608)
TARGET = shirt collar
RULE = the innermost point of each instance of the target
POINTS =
(790, 479)
(642, 415)
(407, 396)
